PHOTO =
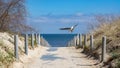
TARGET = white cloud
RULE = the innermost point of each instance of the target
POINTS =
(79, 14)
(77, 18)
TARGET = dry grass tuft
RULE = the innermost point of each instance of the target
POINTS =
(112, 32)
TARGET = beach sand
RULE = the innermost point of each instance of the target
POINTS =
(56, 57)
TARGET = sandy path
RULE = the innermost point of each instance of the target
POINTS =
(60, 57)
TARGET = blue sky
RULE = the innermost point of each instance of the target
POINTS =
(47, 16)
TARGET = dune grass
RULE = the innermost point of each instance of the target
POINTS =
(112, 32)
(6, 55)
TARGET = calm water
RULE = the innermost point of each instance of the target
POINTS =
(58, 40)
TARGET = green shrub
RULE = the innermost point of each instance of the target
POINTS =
(115, 55)
(118, 64)
(1, 57)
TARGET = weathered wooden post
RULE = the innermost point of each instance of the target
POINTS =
(70, 43)
(16, 46)
(41, 40)
(32, 40)
(80, 40)
(103, 48)
(38, 39)
(85, 40)
(26, 44)
(91, 43)
(74, 41)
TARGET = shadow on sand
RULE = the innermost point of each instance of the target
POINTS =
(85, 64)
(50, 57)
(52, 49)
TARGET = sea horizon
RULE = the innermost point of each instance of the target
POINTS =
(58, 40)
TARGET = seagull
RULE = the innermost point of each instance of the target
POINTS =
(69, 28)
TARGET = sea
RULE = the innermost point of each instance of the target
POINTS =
(58, 40)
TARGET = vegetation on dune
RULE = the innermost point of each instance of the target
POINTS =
(13, 16)
(110, 29)
(12, 20)
(7, 49)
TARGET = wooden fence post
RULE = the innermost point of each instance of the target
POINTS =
(38, 39)
(91, 43)
(80, 40)
(74, 40)
(68, 44)
(85, 40)
(26, 44)
(16, 46)
(103, 48)
(71, 42)
(32, 40)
